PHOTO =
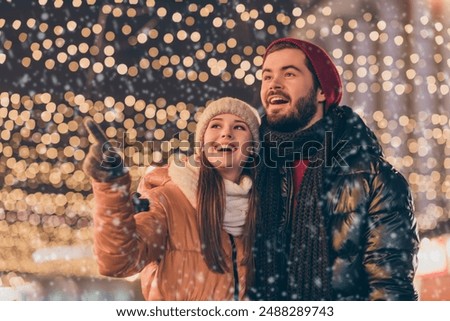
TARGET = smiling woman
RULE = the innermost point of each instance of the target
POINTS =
(195, 240)
(226, 145)
(228, 139)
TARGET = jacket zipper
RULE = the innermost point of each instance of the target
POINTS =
(290, 189)
(289, 209)
(235, 269)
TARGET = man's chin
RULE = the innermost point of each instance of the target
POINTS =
(283, 124)
(292, 121)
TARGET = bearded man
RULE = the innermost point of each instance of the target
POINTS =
(336, 220)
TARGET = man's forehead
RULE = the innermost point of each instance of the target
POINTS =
(276, 58)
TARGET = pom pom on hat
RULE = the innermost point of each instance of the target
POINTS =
(325, 69)
(229, 105)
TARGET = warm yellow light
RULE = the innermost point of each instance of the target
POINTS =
(432, 256)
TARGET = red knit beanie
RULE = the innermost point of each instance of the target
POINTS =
(325, 69)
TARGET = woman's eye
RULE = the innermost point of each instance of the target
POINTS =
(240, 127)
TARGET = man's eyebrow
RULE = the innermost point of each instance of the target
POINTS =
(291, 66)
(282, 68)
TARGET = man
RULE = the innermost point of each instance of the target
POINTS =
(336, 220)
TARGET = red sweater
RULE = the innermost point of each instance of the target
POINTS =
(300, 167)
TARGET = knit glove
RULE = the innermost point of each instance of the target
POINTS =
(103, 162)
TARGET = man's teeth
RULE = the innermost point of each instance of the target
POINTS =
(277, 100)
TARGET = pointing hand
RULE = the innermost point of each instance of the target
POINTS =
(103, 163)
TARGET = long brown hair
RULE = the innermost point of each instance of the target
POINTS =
(211, 209)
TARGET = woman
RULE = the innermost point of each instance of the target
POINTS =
(194, 242)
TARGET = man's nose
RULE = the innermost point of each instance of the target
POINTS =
(275, 83)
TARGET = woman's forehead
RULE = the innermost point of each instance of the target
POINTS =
(228, 117)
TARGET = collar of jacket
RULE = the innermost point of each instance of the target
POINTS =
(185, 171)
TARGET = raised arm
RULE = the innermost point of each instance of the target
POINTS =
(124, 241)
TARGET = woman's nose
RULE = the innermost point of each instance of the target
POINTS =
(226, 133)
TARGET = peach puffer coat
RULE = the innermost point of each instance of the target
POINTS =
(162, 243)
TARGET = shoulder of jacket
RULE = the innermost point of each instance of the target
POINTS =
(153, 178)
(388, 173)
(358, 161)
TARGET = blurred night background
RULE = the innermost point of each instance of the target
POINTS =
(144, 69)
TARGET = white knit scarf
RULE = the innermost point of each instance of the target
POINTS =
(236, 202)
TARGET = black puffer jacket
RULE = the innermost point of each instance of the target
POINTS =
(369, 210)
(374, 232)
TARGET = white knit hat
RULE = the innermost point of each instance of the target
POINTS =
(229, 105)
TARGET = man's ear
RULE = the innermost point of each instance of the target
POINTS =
(320, 96)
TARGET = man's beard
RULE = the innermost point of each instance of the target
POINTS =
(305, 109)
